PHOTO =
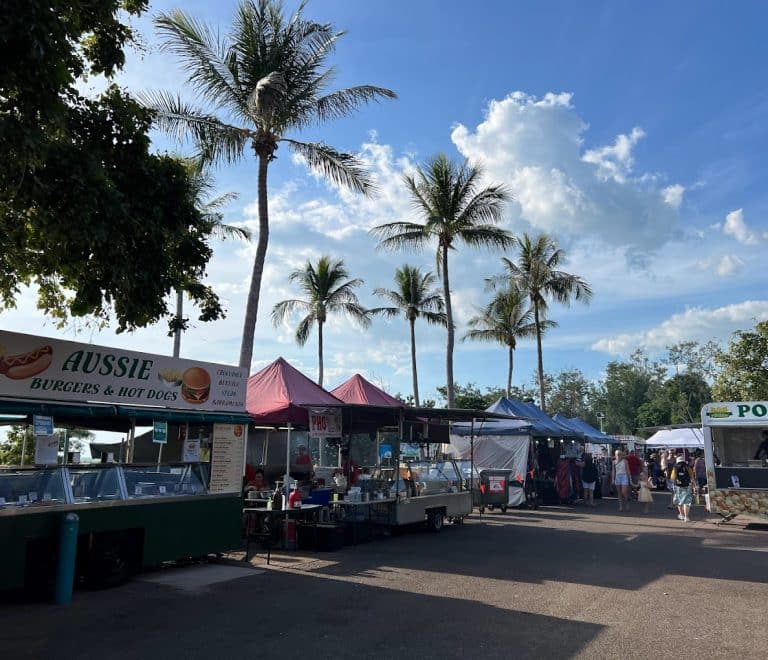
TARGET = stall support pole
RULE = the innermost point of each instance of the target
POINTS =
(472, 455)
(287, 467)
(65, 564)
(65, 457)
(131, 442)
(160, 455)
(24, 446)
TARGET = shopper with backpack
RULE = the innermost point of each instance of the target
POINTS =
(682, 477)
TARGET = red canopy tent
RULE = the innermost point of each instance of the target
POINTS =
(359, 391)
(280, 393)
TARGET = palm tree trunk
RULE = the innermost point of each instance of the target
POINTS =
(509, 372)
(450, 386)
(541, 360)
(320, 353)
(413, 363)
(177, 331)
(252, 306)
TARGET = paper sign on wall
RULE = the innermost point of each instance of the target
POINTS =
(47, 450)
(228, 458)
(324, 422)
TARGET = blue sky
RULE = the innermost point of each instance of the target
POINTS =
(635, 133)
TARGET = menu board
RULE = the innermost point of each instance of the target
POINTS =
(228, 458)
(46, 450)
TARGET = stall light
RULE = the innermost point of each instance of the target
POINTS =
(561, 441)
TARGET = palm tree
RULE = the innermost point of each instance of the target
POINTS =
(202, 186)
(536, 274)
(414, 298)
(264, 79)
(504, 320)
(326, 292)
(454, 210)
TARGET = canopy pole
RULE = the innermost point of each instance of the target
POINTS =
(131, 441)
(287, 467)
(472, 455)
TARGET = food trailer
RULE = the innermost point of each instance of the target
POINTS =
(129, 515)
(736, 455)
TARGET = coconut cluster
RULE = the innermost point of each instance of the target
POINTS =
(740, 501)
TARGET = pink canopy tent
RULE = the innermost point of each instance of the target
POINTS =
(280, 393)
(359, 391)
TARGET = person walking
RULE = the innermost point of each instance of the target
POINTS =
(620, 479)
(682, 477)
(668, 475)
(700, 470)
(589, 479)
(644, 491)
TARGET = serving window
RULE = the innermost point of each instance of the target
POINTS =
(743, 457)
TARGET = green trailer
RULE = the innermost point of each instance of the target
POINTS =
(130, 517)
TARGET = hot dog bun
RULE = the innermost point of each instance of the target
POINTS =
(26, 365)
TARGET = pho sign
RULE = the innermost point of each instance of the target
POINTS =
(324, 422)
(730, 413)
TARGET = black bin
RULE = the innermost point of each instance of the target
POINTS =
(494, 489)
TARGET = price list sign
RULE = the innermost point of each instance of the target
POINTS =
(228, 458)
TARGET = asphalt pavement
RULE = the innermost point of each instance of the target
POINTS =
(557, 582)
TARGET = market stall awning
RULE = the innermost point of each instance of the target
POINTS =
(357, 390)
(677, 438)
(593, 435)
(280, 393)
(535, 421)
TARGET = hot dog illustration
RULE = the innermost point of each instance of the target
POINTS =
(26, 365)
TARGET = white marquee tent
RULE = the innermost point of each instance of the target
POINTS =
(687, 438)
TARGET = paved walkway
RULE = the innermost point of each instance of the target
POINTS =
(553, 583)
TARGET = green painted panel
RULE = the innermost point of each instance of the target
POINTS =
(184, 527)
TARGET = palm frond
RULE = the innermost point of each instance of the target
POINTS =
(304, 329)
(339, 167)
(486, 236)
(215, 140)
(282, 310)
(389, 312)
(434, 318)
(203, 56)
(344, 102)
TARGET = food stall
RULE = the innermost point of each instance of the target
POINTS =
(129, 515)
(736, 455)
(375, 463)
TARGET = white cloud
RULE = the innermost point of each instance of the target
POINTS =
(696, 323)
(738, 229)
(673, 195)
(615, 161)
(536, 147)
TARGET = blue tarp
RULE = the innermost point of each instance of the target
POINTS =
(590, 433)
(537, 422)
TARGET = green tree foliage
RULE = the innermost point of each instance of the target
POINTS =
(571, 394)
(629, 385)
(412, 298)
(100, 225)
(470, 396)
(693, 357)
(677, 401)
(14, 445)
(454, 209)
(326, 291)
(743, 367)
(260, 82)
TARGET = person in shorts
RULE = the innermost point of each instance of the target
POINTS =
(589, 479)
(620, 479)
(683, 479)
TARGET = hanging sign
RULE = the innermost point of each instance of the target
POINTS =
(324, 422)
(191, 450)
(45, 368)
(43, 424)
(46, 450)
(160, 432)
(228, 458)
(730, 413)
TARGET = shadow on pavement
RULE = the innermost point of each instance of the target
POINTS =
(276, 614)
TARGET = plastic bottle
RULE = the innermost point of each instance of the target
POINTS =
(294, 499)
(277, 500)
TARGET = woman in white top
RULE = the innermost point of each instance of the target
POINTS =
(620, 479)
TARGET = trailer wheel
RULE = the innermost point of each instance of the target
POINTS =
(435, 520)
(112, 561)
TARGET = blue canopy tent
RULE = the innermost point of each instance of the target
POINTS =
(588, 432)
